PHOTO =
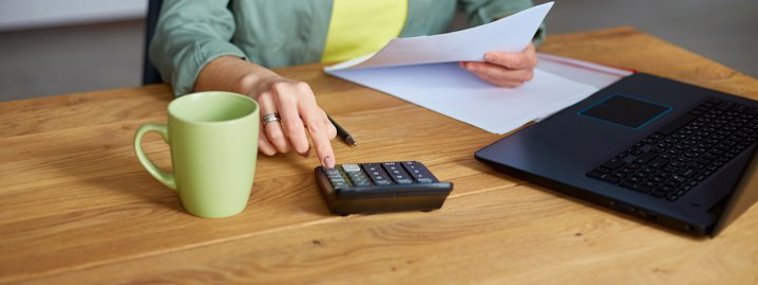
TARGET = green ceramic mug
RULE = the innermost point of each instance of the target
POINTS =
(213, 137)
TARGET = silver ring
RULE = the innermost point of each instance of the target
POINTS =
(270, 117)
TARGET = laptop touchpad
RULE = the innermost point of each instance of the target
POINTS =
(626, 111)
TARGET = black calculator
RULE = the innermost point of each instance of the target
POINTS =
(381, 187)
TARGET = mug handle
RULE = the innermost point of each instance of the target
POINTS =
(162, 176)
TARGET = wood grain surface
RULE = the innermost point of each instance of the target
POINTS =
(77, 208)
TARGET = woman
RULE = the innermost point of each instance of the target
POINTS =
(230, 45)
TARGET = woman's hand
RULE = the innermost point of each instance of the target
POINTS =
(289, 106)
(505, 69)
(300, 117)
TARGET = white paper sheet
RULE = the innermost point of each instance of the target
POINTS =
(589, 73)
(452, 91)
(424, 71)
(512, 34)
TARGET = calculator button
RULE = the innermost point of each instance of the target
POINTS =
(362, 182)
(339, 183)
(351, 168)
(353, 175)
(334, 175)
(377, 173)
(398, 174)
(419, 172)
(340, 187)
(422, 178)
(382, 180)
(372, 167)
(359, 179)
(335, 178)
(332, 172)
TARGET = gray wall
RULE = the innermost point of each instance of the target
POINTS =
(725, 31)
(102, 56)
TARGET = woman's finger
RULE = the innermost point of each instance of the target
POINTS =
(500, 82)
(273, 128)
(526, 59)
(263, 144)
(312, 116)
(331, 130)
(288, 95)
(499, 73)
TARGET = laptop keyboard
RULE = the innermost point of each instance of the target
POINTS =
(678, 156)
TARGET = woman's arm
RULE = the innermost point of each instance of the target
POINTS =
(192, 49)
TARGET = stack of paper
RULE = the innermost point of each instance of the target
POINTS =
(424, 71)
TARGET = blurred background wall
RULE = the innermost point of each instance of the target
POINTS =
(63, 46)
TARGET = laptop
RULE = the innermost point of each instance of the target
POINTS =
(667, 152)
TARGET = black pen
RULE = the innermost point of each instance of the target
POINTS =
(342, 133)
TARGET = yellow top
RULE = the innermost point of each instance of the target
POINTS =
(360, 27)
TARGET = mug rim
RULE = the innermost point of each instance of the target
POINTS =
(175, 102)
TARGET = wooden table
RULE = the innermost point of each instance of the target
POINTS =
(76, 207)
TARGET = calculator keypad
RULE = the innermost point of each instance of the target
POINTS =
(386, 173)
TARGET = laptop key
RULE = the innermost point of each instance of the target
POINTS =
(646, 157)
(611, 179)
(676, 124)
(613, 163)
(627, 184)
(603, 170)
(724, 106)
(658, 163)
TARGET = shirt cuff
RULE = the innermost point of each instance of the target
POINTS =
(195, 58)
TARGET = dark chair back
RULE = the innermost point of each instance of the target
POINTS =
(150, 75)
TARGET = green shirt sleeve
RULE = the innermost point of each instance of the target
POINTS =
(188, 36)
(484, 11)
